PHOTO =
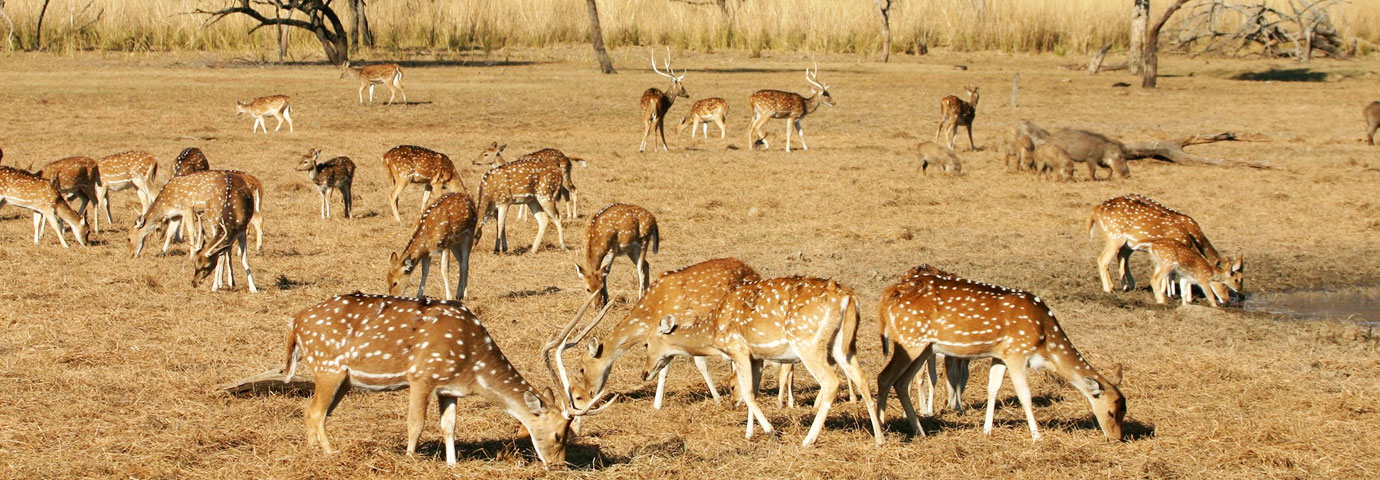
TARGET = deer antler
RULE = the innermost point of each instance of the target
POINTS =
(668, 64)
(558, 343)
(811, 77)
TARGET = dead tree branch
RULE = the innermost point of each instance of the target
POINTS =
(1173, 150)
(1272, 32)
(321, 21)
(268, 382)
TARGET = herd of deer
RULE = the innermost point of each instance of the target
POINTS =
(720, 308)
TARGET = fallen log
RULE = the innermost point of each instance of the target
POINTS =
(268, 382)
(1173, 150)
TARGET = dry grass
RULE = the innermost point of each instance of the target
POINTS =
(812, 25)
(109, 363)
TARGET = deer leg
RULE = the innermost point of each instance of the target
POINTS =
(421, 284)
(461, 253)
(549, 206)
(38, 227)
(927, 384)
(447, 411)
(398, 187)
(702, 365)
(57, 228)
(994, 377)
(785, 382)
(956, 372)
(347, 197)
(1018, 380)
(848, 362)
(646, 130)
(542, 217)
(972, 147)
(426, 195)
(361, 93)
(244, 259)
(800, 132)
(1109, 253)
(445, 279)
(818, 365)
(279, 117)
(1128, 282)
(371, 94)
(417, 398)
(392, 93)
(788, 135)
(287, 115)
(330, 388)
(1186, 291)
(748, 369)
(502, 238)
(256, 220)
(397, 82)
(325, 209)
(660, 387)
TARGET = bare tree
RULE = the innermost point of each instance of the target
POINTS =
(321, 21)
(361, 34)
(1150, 58)
(1140, 18)
(884, 12)
(596, 38)
(38, 32)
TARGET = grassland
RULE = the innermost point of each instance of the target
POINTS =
(109, 364)
(1059, 26)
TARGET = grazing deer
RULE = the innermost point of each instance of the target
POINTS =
(176, 204)
(256, 189)
(27, 190)
(939, 155)
(533, 182)
(407, 164)
(1051, 158)
(76, 177)
(191, 160)
(703, 111)
(447, 226)
(931, 312)
(618, 229)
(1372, 114)
(492, 156)
(335, 174)
(1176, 260)
(769, 104)
(381, 343)
(690, 293)
(1130, 222)
(277, 106)
(389, 74)
(955, 112)
(123, 170)
(655, 104)
(229, 215)
(813, 321)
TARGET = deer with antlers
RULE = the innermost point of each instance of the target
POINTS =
(124, 170)
(655, 103)
(229, 214)
(930, 311)
(813, 321)
(335, 174)
(408, 164)
(618, 229)
(769, 104)
(955, 112)
(381, 343)
(1131, 222)
(389, 74)
(690, 293)
(492, 156)
(704, 111)
(29, 191)
(277, 106)
(448, 226)
(76, 178)
(533, 182)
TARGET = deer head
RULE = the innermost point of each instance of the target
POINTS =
(345, 70)
(492, 156)
(972, 95)
(310, 160)
(821, 89)
(676, 89)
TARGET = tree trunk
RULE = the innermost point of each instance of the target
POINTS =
(1152, 50)
(334, 41)
(884, 12)
(596, 38)
(38, 33)
(1173, 150)
(361, 34)
(1140, 17)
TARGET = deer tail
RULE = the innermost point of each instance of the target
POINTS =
(293, 349)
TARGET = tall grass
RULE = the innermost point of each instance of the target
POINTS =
(1059, 26)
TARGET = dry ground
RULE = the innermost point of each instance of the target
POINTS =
(108, 364)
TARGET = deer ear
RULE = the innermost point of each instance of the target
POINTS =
(595, 347)
(534, 402)
(668, 325)
(393, 257)
(1239, 265)
(606, 261)
(580, 270)
(501, 147)
(1116, 376)
(493, 145)
(1094, 387)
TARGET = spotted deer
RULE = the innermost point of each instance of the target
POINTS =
(1130, 222)
(408, 164)
(618, 229)
(277, 106)
(690, 293)
(532, 182)
(29, 191)
(227, 215)
(176, 204)
(1176, 260)
(940, 156)
(389, 74)
(382, 343)
(703, 111)
(655, 104)
(813, 321)
(446, 226)
(124, 170)
(76, 178)
(931, 312)
(256, 220)
(769, 104)
(492, 156)
(955, 112)
(191, 160)
(335, 174)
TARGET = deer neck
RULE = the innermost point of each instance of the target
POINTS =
(1063, 359)
(813, 102)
